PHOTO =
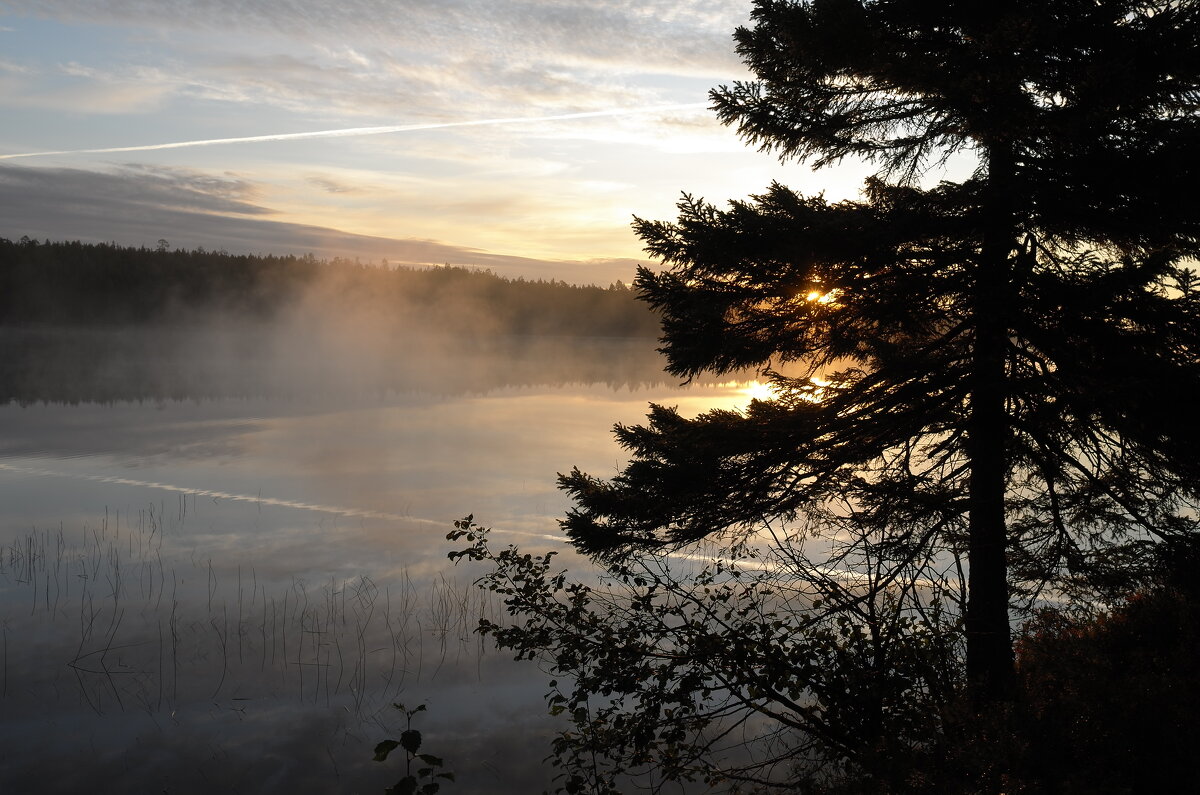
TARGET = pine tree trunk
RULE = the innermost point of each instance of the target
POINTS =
(989, 646)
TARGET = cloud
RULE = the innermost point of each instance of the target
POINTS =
(139, 205)
(79, 88)
(84, 192)
(674, 34)
(332, 185)
(377, 57)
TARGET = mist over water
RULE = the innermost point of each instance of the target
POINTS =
(223, 543)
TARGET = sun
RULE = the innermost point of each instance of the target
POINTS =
(756, 390)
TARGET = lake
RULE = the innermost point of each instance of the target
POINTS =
(223, 551)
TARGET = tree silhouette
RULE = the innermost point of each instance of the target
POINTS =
(1000, 370)
(753, 668)
(983, 395)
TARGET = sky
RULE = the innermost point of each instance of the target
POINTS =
(475, 164)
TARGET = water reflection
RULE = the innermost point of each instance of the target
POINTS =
(297, 362)
(111, 630)
(221, 562)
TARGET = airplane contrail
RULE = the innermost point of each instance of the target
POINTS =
(354, 131)
(257, 499)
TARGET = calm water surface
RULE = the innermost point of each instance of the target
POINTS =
(219, 576)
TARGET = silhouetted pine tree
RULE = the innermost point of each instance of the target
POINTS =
(1003, 369)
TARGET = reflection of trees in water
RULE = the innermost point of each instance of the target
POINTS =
(75, 365)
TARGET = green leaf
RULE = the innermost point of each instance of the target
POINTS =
(384, 748)
(405, 786)
(430, 759)
(410, 739)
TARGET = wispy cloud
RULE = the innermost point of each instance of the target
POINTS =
(357, 131)
(373, 57)
(333, 186)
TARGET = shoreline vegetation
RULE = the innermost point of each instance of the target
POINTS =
(121, 626)
(104, 284)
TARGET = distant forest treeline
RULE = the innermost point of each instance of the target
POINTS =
(73, 283)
